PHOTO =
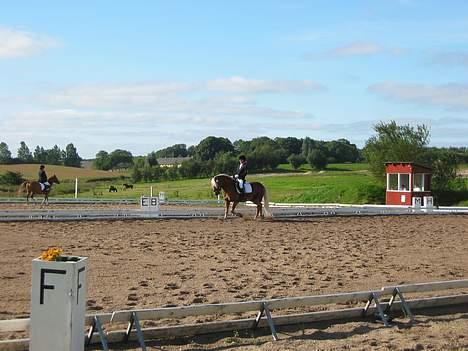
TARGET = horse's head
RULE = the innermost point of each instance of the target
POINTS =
(222, 181)
(216, 185)
(53, 180)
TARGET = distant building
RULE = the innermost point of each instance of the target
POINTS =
(88, 164)
(172, 161)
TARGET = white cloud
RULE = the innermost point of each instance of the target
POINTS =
(254, 86)
(356, 49)
(14, 43)
(154, 113)
(453, 95)
(459, 58)
(118, 95)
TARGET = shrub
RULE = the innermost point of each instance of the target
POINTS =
(317, 159)
(13, 178)
(296, 161)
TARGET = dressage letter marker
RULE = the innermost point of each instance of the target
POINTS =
(149, 203)
(58, 304)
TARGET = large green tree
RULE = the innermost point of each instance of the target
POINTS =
(396, 143)
(24, 155)
(40, 155)
(5, 154)
(290, 145)
(121, 159)
(177, 150)
(317, 159)
(54, 156)
(71, 157)
(102, 161)
(209, 147)
(341, 151)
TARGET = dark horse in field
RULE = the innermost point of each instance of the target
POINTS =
(33, 187)
(126, 186)
(228, 185)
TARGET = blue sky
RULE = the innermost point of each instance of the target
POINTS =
(143, 75)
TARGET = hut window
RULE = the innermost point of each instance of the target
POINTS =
(392, 182)
(404, 182)
(427, 182)
(418, 182)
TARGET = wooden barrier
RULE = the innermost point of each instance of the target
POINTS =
(133, 317)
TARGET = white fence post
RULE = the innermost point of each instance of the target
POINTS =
(76, 188)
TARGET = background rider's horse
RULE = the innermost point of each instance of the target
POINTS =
(33, 187)
(228, 185)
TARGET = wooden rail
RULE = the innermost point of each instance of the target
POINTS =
(21, 325)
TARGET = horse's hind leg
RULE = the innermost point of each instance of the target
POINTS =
(259, 211)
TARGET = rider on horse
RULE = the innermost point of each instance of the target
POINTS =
(241, 172)
(43, 178)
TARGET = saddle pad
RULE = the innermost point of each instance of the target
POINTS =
(247, 188)
(42, 186)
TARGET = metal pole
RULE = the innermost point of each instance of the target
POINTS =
(151, 191)
(76, 188)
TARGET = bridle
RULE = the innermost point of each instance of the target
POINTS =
(216, 187)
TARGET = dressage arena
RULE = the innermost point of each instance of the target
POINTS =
(158, 262)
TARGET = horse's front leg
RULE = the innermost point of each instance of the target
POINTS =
(226, 208)
(234, 204)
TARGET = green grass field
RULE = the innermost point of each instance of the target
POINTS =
(345, 183)
(339, 183)
(347, 167)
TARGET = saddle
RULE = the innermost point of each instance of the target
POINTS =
(247, 187)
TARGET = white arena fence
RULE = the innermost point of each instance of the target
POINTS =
(202, 209)
(397, 302)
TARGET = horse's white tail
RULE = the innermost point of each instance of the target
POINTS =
(266, 204)
(23, 188)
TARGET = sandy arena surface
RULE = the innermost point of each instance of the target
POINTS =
(142, 264)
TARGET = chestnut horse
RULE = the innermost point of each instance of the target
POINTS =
(33, 187)
(228, 185)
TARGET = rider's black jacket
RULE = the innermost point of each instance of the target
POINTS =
(242, 172)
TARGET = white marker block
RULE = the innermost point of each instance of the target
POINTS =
(149, 203)
(428, 201)
(162, 197)
(417, 202)
(58, 304)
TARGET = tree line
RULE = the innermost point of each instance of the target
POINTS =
(214, 155)
(54, 156)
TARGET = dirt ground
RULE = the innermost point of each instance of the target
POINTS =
(154, 263)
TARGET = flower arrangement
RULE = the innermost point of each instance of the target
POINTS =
(51, 254)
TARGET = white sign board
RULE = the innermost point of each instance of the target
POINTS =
(162, 197)
(417, 202)
(428, 202)
(149, 203)
(58, 304)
